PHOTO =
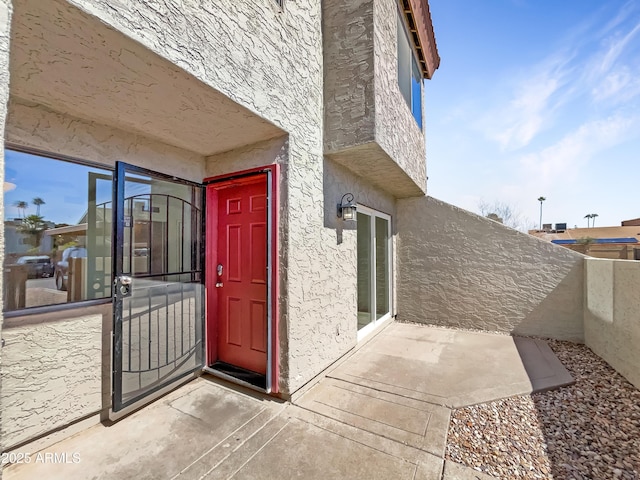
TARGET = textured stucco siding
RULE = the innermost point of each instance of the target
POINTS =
(40, 128)
(612, 314)
(5, 25)
(396, 130)
(271, 63)
(323, 282)
(368, 126)
(462, 270)
(348, 78)
(48, 381)
(264, 59)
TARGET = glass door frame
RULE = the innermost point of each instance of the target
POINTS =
(375, 322)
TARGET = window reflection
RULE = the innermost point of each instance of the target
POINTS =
(57, 231)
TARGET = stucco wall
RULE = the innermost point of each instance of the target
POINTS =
(5, 22)
(270, 62)
(462, 270)
(396, 130)
(38, 127)
(612, 314)
(48, 381)
(349, 73)
(368, 126)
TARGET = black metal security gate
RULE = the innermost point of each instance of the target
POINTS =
(158, 282)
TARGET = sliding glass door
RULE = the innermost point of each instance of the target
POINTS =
(374, 269)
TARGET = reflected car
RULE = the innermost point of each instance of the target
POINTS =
(62, 267)
(38, 266)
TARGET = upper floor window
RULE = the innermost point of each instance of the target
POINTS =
(409, 75)
(57, 231)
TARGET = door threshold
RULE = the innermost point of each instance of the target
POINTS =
(247, 378)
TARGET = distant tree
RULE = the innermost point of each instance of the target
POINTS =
(22, 206)
(38, 202)
(494, 217)
(33, 226)
(593, 219)
(505, 214)
(585, 241)
(588, 217)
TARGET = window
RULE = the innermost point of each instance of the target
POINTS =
(409, 75)
(57, 229)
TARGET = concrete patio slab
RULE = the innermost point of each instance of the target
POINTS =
(158, 441)
(382, 413)
(307, 448)
(452, 368)
(455, 471)
(412, 422)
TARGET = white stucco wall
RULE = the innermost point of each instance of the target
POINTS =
(612, 314)
(462, 270)
(270, 62)
(38, 127)
(396, 130)
(48, 381)
(368, 126)
(5, 22)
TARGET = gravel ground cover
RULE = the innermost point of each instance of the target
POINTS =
(590, 430)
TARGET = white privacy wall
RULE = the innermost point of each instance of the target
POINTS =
(461, 270)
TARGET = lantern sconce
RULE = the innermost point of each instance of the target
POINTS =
(347, 211)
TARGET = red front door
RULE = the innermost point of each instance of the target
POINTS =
(241, 275)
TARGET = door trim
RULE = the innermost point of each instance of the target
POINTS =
(272, 173)
(377, 322)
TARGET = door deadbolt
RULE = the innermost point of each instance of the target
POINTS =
(219, 269)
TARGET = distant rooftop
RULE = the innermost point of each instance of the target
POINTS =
(626, 232)
(631, 223)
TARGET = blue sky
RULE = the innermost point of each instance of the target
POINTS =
(62, 185)
(537, 98)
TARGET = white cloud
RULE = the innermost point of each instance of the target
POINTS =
(562, 160)
(598, 66)
(531, 101)
(616, 46)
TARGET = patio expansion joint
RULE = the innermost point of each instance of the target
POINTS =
(396, 392)
(254, 454)
(405, 445)
(372, 432)
(221, 442)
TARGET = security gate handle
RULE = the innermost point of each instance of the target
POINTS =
(125, 285)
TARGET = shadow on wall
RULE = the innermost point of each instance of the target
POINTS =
(462, 270)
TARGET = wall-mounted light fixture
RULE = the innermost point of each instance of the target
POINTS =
(347, 211)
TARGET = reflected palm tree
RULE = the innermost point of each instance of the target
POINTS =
(37, 202)
(22, 206)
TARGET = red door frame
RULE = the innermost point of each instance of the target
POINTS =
(212, 185)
